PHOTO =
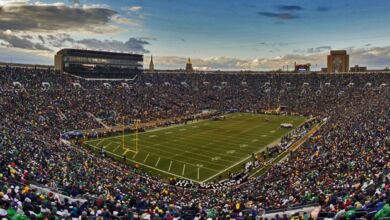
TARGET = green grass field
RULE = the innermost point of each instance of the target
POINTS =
(200, 151)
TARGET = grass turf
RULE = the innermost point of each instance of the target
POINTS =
(202, 150)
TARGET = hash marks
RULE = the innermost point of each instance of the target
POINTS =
(215, 158)
(230, 151)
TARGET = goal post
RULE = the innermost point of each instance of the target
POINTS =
(136, 134)
(136, 128)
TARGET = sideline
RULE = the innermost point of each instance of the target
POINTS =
(282, 156)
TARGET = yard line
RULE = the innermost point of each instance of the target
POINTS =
(157, 162)
(184, 168)
(169, 169)
(153, 152)
(115, 149)
(135, 155)
(179, 148)
(108, 145)
(146, 158)
(185, 162)
(151, 167)
(98, 144)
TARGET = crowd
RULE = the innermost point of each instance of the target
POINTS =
(344, 167)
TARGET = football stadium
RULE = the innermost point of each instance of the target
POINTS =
(193, 151)
(199, 110)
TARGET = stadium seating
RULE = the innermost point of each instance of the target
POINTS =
(344, 168)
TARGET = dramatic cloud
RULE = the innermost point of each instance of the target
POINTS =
(28, 25)
(135, 45)
(38, 17)
(59, 40)
(12, 40)
(289, 8)
(281, 16)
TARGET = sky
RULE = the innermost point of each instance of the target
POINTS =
(215, 34)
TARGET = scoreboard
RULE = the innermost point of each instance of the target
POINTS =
(302, 68)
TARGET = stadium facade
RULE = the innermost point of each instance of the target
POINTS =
(98, 64)
(338, 61)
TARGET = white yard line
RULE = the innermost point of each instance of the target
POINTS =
(151, 167)
(98, 144)
(115, 149)
(157, 162)
(146, 158)
(109, 144)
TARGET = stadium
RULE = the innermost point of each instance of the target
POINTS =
(95, 134)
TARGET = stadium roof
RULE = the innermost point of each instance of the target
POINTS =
(99, 54)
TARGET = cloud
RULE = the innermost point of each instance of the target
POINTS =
(280, 16)
(374, 58)
(318, 49)
(12, 40)
(323, 8)
(75, 2)
(126, 21)
(135, 45)
(59, 40)
(217, 63)
(39, 17)
(289, 8)
(135, 8)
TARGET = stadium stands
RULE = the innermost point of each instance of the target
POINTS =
(344, 168)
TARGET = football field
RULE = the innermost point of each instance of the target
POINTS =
(199, 151)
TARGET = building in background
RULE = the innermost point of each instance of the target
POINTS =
(358, 68)
(189, 67)
(302, 68)
(151, 64)
(98, 64)
(338, 61)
